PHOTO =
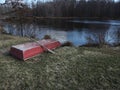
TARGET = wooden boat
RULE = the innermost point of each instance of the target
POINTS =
(28, 50)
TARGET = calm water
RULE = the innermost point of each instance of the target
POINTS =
(79, 32)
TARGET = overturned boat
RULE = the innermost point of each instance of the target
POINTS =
(31, 49)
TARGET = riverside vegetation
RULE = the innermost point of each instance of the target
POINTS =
(71, 68)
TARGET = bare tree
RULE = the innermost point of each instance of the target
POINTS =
(15, 3)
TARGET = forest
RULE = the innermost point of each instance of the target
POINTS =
(75, 8)
(106, 9)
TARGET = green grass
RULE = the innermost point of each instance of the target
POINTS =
(71, 68)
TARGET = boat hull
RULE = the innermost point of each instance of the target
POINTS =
(29, 50)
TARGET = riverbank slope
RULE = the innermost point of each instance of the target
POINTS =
(71, 68)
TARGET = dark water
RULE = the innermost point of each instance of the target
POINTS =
(79, 32)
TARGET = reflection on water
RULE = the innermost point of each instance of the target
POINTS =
(113, 35)
(90, 32)
(82, 37)
(109, 22)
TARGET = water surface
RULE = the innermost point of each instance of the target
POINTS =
(79, 32)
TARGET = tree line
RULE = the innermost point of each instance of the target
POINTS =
(71, 8)
(77, 8)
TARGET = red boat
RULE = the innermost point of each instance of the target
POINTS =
(28, 50)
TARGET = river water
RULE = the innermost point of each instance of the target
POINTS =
(79, 32)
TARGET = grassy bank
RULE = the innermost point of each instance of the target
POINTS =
(71, 68)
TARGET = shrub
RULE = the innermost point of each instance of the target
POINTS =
(47, 37)
(67, 44)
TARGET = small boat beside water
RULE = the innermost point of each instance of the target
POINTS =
(31, 49)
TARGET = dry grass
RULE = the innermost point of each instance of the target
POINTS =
(71, 68)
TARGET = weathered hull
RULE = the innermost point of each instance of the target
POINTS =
(28, 50)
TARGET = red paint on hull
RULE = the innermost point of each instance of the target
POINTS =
(28, 50)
